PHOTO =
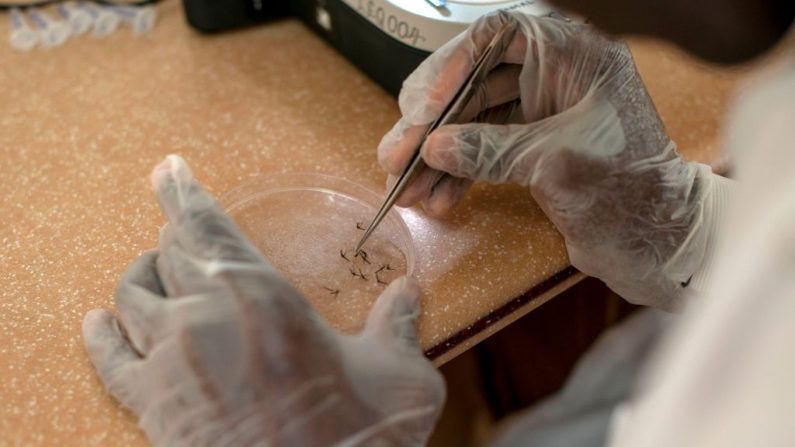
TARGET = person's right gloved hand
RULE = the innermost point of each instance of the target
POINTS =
(581, 132)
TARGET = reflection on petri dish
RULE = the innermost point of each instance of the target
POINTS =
(307, 225)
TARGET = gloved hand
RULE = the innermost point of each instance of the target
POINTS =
(569, 118)
(214, 347)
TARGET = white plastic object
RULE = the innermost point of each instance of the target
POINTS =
(106, 22)
(21, 37)
(427, 25)
(78, 19)
(52, 32)
(140, 18)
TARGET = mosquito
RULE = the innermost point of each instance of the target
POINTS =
(363, 254)
(333, 292)
(343, 256)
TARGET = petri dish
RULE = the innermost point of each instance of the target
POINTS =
(307, 226)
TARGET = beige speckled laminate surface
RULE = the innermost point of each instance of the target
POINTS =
(82, 125)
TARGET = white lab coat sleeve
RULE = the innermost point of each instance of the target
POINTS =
(725, 375)
(580, 414)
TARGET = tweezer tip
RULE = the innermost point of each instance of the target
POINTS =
(358, 248)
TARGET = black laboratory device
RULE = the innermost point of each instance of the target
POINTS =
(211, 16)
(386, 39)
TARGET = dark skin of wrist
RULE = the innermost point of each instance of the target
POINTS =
(720, 31)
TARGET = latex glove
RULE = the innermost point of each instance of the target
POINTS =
(215, 348)
(575, 124)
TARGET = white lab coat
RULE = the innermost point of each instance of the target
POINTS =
(724, 371)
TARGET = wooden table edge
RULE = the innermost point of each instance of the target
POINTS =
(501, 317)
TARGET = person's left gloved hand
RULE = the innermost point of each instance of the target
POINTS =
(214, 347)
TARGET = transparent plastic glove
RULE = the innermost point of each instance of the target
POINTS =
(214, 347)
(568, 116)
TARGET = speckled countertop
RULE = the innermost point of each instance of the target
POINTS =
(82, 125)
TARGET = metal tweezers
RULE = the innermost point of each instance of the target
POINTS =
(487, 61)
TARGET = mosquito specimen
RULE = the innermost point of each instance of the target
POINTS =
(343, 256)
(333, 292)
(362, 254)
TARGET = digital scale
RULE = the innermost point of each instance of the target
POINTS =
(386, 39)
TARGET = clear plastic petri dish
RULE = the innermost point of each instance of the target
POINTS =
(307, 226)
